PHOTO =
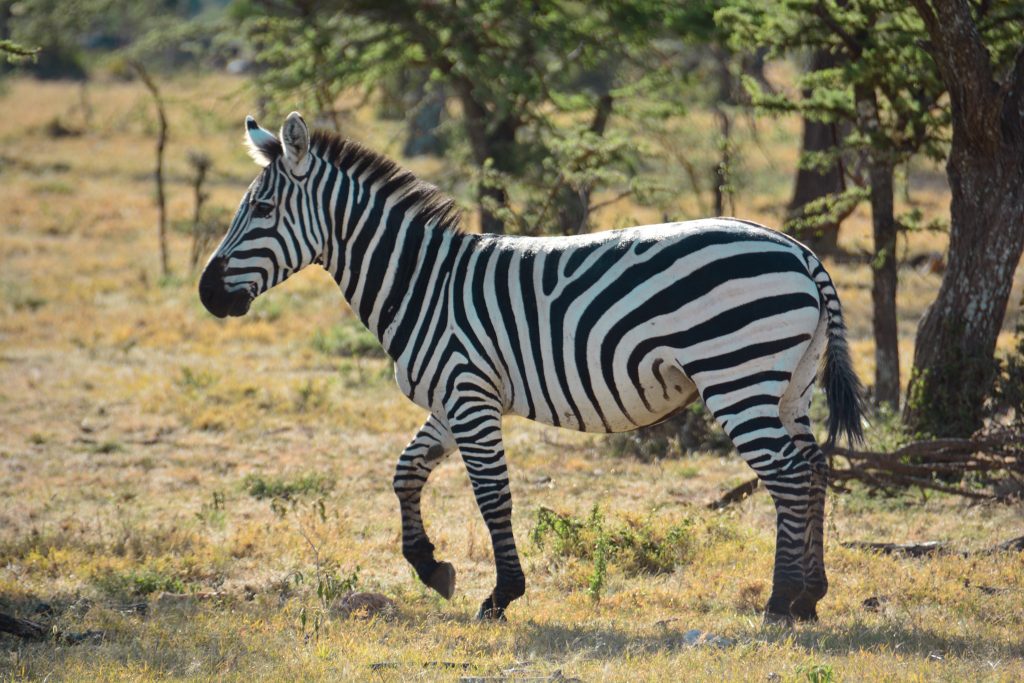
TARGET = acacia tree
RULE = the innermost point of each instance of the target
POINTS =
(979, 51)
(535, 93)
(890, 115)
(812, 213)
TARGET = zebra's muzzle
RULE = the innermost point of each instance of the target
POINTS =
(215, 296)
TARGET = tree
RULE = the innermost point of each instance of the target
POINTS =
(979, 51)
(811, 215)
(541, 128)
(891, 114)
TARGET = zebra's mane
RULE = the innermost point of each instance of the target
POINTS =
(433, 205)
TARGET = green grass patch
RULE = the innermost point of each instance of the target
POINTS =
(347, 339)
(634, 546)
(263, 488)
(137, 582)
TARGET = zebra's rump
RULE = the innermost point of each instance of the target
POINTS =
(617, 330)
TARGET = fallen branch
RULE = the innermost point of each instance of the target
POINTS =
(995, 458)
(908, 549)
(735, 495)
(23, 628)
(997, 455)
(927, 548)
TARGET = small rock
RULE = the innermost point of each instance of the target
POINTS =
(695, 637)
(874, 603)
(365, 605)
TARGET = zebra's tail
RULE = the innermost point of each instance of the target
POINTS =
(842, 387)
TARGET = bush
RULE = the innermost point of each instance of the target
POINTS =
(634, 546)
(692, 430)
(137, 583)
(1008, 391)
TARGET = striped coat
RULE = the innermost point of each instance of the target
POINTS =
(599, 333)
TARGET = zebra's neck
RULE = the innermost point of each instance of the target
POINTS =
(385, 247)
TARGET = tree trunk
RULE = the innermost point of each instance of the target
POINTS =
(573, 213)
(883, 285)
(500, 149)
(423, 118)
(491, 143)
(953, 358)
(883, 277)
(721, 182)
(161, 143)
(812, 184)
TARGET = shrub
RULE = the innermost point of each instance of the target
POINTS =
(137, 582)
(634, 546)
(1008, 391)
(693, 429)
(261, 488)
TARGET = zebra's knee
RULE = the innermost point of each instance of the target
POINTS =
(510, 588)
(420, 554)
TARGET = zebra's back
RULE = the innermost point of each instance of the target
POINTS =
(612, 331)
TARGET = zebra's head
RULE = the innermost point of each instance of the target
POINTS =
(274, 233)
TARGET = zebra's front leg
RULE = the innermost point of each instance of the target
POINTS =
(426, 450)
(477, 431)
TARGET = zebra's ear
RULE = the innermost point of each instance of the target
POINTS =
(295, 140)
(263, 146)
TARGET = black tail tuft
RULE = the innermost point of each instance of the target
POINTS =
(843, 390)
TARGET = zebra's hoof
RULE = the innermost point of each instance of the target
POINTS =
(443, 580)
(490, 612)
(777, 619)
(804, 608)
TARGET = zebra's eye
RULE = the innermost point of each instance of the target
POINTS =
(262, 209)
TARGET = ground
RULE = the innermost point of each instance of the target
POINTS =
(199, 491)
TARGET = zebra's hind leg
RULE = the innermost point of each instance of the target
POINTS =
(755, 427)
(476, 426)
(793, 410)
(426, 450)
(804, 606)
(788, 481)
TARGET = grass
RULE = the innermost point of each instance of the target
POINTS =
(143, 445)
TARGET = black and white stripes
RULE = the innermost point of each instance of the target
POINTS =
(602, 333)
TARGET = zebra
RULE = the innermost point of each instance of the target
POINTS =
(604, 332)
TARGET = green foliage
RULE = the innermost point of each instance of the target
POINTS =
(536, 140)
(262, 488)
(64, 33)
(887, 432)
(636, 547)
(692, 430)
(1008, 392)
(213, 513)
(816, 673)
(16, 53)
(890, 114)
(137, 582)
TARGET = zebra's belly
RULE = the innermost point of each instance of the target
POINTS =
(658, 390)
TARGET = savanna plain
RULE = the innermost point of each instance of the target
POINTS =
(193, 496)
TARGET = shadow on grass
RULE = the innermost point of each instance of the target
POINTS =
(818, 639)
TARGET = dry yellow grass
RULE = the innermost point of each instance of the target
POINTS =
(130, 419)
